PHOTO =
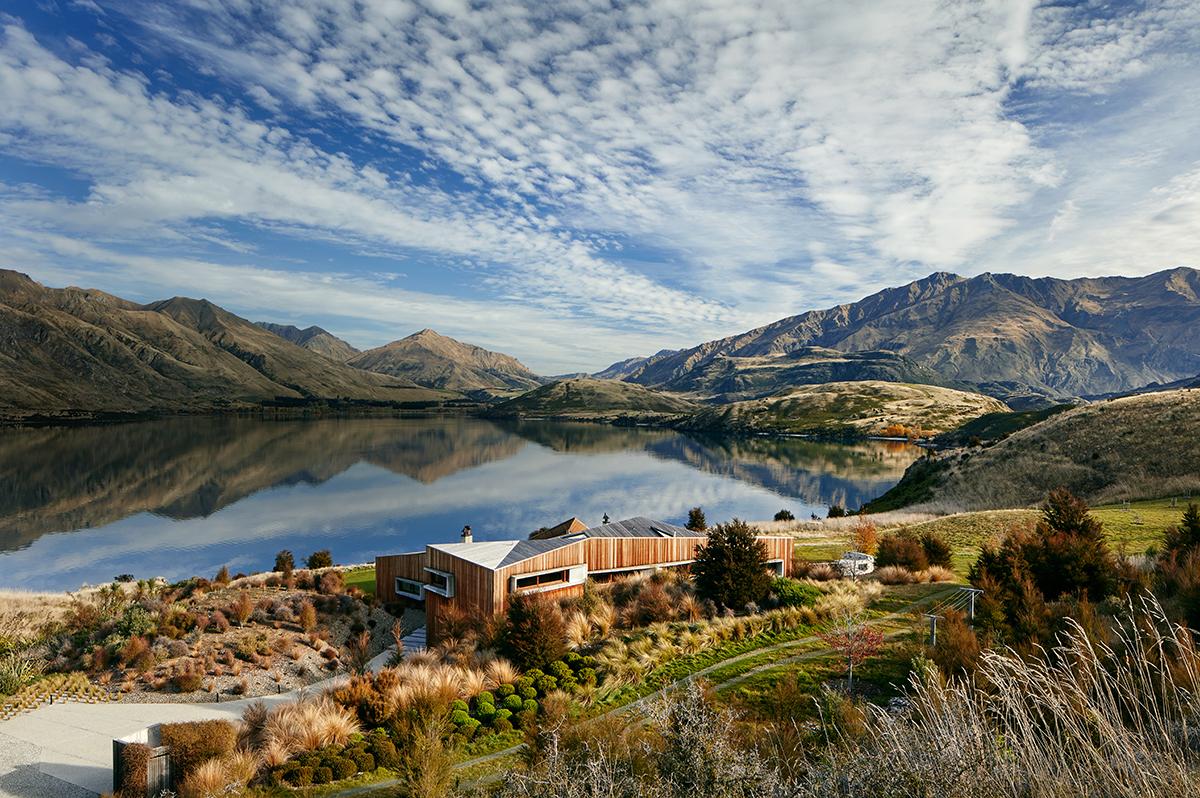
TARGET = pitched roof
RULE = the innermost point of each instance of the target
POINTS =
(570, 526)
(496, 554)
(640, 527)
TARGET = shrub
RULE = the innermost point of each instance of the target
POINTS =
(222, 577)
(458, 704)
(459, 716)
(903, 551)
(242, 608)
(331, 583)
(308, 616)
(731, 568)
(362, 761)
(535, 634)
(503, 691)
(220, 622)
(791, 593)
(136, 621)
(322, 775)
(188, 677)
(319, 559)
(469, 728)
(530, 706)
(957, 650)
(134, 759)
(937, 550)
(513, 703)
(895, 575)
(385, 753)
(343, 767)
(836, 511)
(193, 743)
(785, 515)
(696, 520)
(301, 777)
(502, 725)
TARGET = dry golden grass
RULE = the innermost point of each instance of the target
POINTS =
(309, 725)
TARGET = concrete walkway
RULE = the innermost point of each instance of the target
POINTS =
(66, 749)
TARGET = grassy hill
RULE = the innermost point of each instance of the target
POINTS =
(1137, 447)
(596, 399)
(863, 407)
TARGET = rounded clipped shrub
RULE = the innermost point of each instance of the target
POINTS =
(385, 753)
(505, 690)
(502, 725)
(559, 670)
(587, 676)
(587, 661)
(460, 704)
(513, 703)
(459, 716)
(469, 728)
(502, 714)
(530, 706)
(533, 674)
(300, 777)
(322, 775)
(528, 692)
(485, 698)
(363, 761)
(344, 768)
(573, 659)
(545, 684)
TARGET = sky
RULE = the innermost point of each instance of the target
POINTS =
(583, 181)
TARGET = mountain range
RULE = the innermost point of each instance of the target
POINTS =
(78, 350)
(1005, 334)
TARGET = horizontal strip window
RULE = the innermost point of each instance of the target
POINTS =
(439, 583)
(538, 580)
(410, 588)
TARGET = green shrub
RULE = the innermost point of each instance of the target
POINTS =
(459, 716)
(505, 690)
(502, 725)
(792, 593)
(363, 761)
(485, 713)
(300, 777)
(560, 670)
(503, 714)
(731, 567)
(319, 559)
(546, 684)
(460, 704)
(193, 743)
(530, 706)
(513, 703)
(588, 677)
(469, 728)
(344, 767)
(322, 775)
(535, 633)
(485, 698)
(385, 753)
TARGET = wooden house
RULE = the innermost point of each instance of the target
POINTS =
(475, 579)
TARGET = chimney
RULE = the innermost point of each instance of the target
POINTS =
(466, 535)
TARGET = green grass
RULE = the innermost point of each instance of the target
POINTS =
(361, 578)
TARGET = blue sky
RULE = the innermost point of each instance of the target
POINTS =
(577, 182)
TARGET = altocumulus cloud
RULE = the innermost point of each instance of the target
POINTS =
(581, 181)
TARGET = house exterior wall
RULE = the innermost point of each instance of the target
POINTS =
(780, 548)
(473, 591)
(563, 558)
(615, 554)
(406, 566)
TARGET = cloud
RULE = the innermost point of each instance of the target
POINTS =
(689, 168)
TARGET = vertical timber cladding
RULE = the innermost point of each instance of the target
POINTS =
(780, 548)
(610, 554)
(473, 592)
(564, 557)
(407, 566)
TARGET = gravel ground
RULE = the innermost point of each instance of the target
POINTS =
(21, 778)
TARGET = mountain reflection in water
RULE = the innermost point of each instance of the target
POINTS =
(182, 496)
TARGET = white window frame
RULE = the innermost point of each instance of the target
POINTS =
(576, 575)
(418, 595)
(444, 592)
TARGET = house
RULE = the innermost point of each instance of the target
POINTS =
(475, 579)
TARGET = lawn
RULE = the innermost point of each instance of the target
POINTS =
(361, 578)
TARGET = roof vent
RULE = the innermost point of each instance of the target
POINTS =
(467, 537)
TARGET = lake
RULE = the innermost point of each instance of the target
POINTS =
(184, 496)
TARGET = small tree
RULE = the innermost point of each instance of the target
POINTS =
(358, 651)
(957, 650)
(854, 641)
(937, 550)
(535, 634)
(1185, 537)
(836, 511)
(866, 537)
(319, 559)
(285, 563)
(696, 520)
(222, 577)
(731, 568)
(784, 515)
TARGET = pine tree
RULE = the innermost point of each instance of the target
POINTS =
(731, 568)
(696, 520)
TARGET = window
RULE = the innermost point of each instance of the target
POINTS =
(538, 580)
(440, 583)
(409, 588)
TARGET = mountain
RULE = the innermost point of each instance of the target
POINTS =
(436, 361)
(728, 378)
(1012, 334)
(591, 398)
(1124, 449)
(73, 350)
(314, 339)
(857, 408)
(623, 368)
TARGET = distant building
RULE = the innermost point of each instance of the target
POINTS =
(475, 579)
(855, 563)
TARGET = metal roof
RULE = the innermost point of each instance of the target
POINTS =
(497, 554)
(639, 527)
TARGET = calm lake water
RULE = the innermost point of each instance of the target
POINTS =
(180, 497)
